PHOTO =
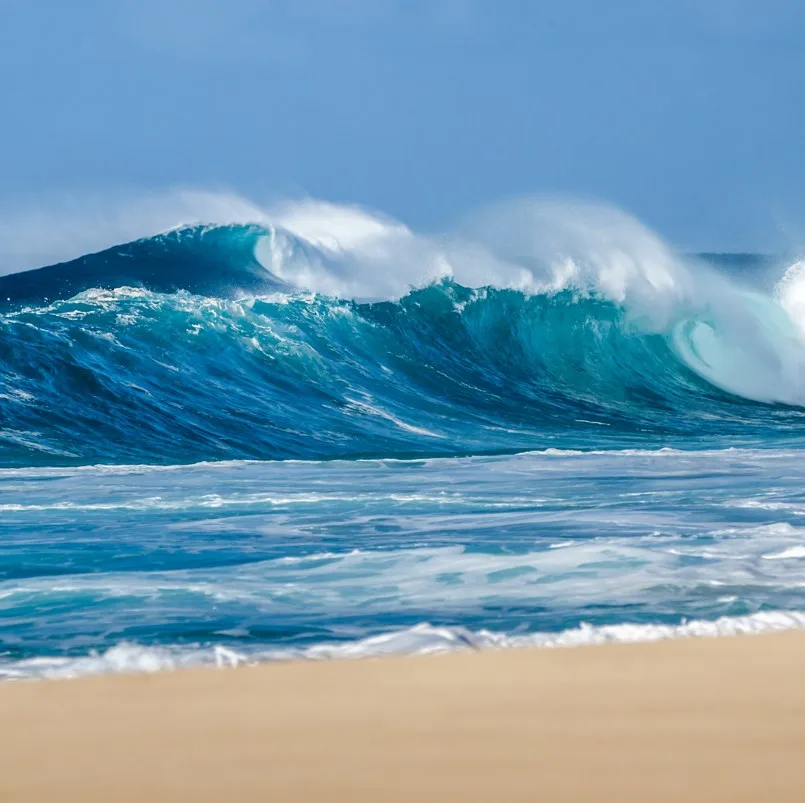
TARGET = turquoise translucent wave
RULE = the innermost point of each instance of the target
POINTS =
(183, 348)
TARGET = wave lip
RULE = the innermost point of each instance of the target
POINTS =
(204, 260)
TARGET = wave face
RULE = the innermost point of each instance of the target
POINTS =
(189, 346)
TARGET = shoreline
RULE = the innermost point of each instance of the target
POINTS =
(422, 639)
(699, 719)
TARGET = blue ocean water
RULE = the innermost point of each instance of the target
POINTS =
(237, 442)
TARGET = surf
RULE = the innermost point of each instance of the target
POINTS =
(317, 332)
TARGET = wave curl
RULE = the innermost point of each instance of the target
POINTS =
(540, 326)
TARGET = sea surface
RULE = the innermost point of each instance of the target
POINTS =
(315, 433)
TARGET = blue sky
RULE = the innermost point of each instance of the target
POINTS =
(689, 114)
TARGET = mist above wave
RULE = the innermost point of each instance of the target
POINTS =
(535, 245)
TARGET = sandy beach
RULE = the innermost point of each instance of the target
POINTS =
(703, 719)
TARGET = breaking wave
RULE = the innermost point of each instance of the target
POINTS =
(315, 331)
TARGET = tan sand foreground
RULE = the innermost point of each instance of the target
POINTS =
(698, 720)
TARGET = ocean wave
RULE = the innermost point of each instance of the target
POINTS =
(538, 326)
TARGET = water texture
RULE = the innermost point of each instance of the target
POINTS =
(316, 433)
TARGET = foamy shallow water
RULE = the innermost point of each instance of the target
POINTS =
(137, 568)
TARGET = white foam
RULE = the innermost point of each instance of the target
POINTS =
(790, 292)
(422, 639)
(337, 227)
(124, 658)
(790, 552)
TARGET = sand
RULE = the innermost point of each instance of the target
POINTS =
(694, 720)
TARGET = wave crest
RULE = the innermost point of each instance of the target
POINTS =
(535, 325)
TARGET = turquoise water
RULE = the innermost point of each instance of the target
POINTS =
(206, 457)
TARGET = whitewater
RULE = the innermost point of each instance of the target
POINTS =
(232, 432)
